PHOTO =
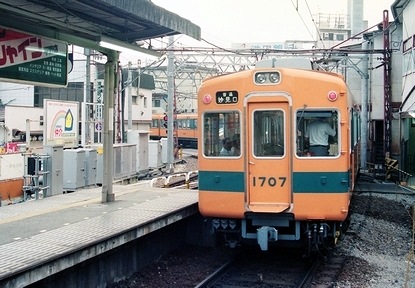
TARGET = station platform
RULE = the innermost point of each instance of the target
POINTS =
(42, 237)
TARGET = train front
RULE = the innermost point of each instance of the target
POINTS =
(262, 178)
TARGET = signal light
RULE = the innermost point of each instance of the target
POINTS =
(332, 96)
(207, 98)
(165, 119)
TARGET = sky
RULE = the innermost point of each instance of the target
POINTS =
(224, 22)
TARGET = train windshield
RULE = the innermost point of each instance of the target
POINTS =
(221, 134)
(317, 133)
(268, 133)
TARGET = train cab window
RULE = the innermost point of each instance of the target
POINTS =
(186, 123)
(221, 134)
(155, 123)
(317, 133)
(268, 133)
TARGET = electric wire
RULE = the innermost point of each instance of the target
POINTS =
(301, 18)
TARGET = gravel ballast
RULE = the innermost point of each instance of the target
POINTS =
(380, 241)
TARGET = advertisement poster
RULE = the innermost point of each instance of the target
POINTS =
(33, 60)
(61, 123)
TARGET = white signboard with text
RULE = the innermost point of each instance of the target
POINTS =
(61, 123)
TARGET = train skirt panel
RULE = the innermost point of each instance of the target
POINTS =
(225, 204)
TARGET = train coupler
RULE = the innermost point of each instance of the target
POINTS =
(266, 234)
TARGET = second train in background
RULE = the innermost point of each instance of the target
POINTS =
(184, 129)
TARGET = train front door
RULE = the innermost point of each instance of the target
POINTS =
(269, 150)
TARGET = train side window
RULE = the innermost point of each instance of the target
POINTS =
(219, 127)
(355, 127)
(317, 133)
(269, 133)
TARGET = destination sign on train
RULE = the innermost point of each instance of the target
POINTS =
(226, 97)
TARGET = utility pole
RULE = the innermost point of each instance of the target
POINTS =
(364, 113)
(387, 122)
(130, 97)
(87, 92)
(170, 102)
(110, 90)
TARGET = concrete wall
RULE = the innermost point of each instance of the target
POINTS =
(123, 261)
(15, 118)
(11, 166)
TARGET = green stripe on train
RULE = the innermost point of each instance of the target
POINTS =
(221, 181)
(320, 182)
(303, 182)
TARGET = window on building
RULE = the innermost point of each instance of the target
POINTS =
(408, 63)
(339, 37)
(73, 92)
(134, 100)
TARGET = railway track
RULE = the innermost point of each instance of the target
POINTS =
(183, 180)
(256, 269)
(184, 176)
(284, 269)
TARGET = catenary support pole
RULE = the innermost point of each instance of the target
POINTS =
(364, 112)
(110, 88)
(170, 101)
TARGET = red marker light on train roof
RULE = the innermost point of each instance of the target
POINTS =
(332, 96)
(207, 98)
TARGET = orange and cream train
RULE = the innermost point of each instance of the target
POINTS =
(185, 128)
(270, 187)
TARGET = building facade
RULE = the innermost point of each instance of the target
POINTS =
(22, 104)
(403, 11)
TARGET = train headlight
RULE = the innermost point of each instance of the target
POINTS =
(267, 78)
(260, 78)
(274, 77)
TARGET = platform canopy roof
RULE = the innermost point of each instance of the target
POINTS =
(87, 23)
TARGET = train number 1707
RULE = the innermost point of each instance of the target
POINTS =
(269, 181)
